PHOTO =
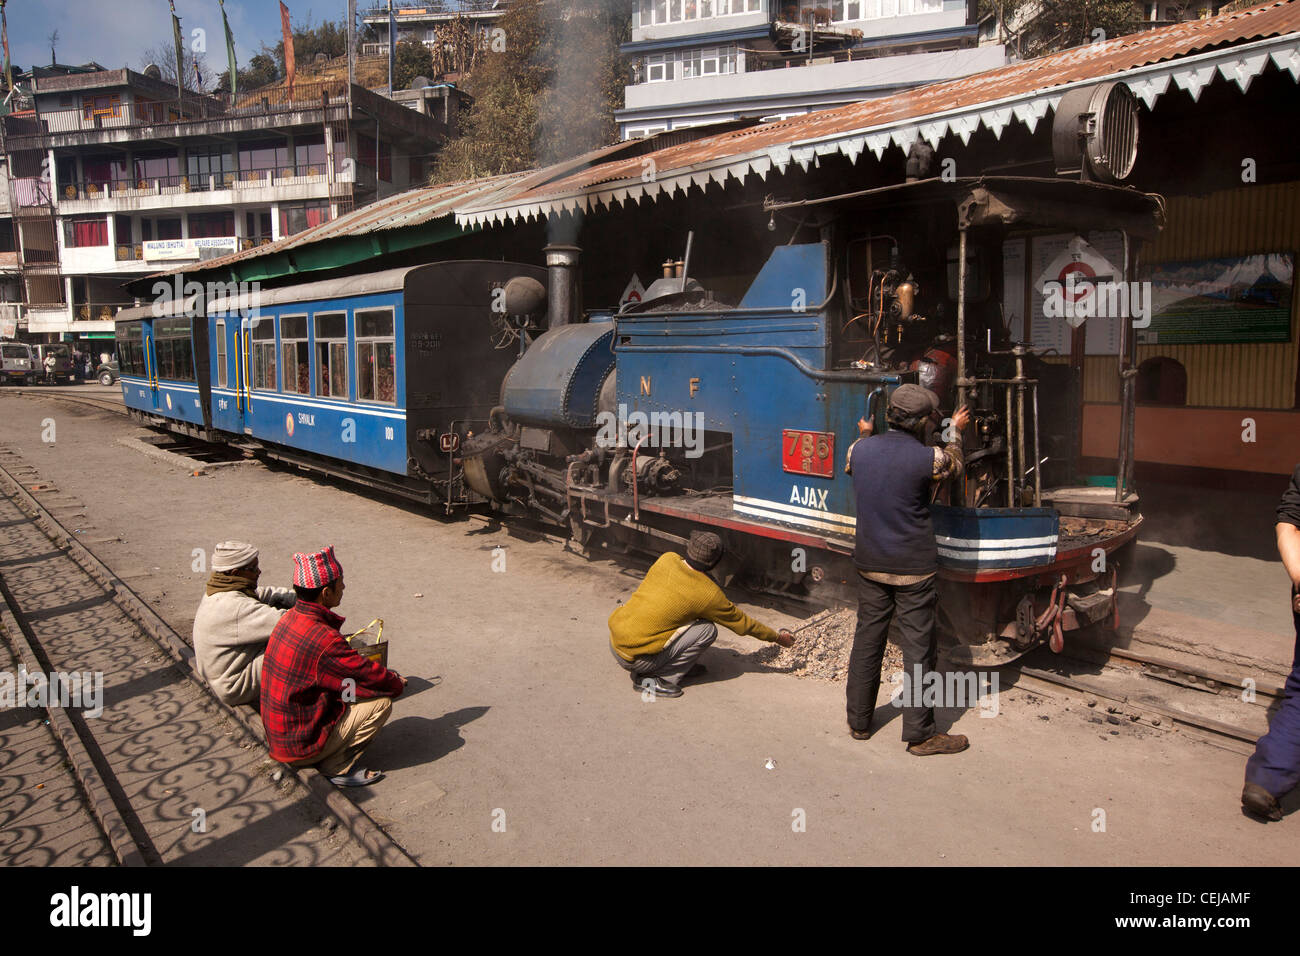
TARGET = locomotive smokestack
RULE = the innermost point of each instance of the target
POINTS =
(564, 295)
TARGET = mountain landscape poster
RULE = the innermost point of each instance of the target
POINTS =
(1242, 299)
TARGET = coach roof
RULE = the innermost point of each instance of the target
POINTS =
(366, 283)
(158, 310)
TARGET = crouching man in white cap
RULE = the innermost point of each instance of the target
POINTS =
(233, 623)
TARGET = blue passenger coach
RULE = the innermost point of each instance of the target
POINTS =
(315, 368)
(375, 377)
(162, 351)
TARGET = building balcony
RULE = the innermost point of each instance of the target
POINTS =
(14, 312)
(799, 88)
(247, 186)
(98, 311)
(63, 318)
(266, 108)
(433, 10)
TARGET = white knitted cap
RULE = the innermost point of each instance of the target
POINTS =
(232, 555)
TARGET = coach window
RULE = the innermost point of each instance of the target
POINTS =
(172, 347)
(130, 355)
(295, 354)
(221, 353)
(264, 354)
(332, 355)
(162, 350)
(174, 334)
(376, 364)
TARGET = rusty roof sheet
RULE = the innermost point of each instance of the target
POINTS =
(1235, 45)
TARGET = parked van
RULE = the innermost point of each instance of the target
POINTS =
(17, 364)
(62, 372)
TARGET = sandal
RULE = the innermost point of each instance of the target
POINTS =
(357, 778)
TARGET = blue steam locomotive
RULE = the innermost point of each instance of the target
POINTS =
(705, 404)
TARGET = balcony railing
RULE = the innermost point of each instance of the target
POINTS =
(307, 95)
(167, 185)
(98, 311)
(432, 7)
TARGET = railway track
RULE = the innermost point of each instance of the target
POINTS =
(133, 756)
(1121, 682)
(1126, 686)
(88, 400)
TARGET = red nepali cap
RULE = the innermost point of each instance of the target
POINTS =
(316, 570)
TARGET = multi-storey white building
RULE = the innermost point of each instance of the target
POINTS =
(708, 61)
(113, 177)
(420, 21)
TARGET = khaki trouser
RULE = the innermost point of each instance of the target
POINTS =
(350, 736)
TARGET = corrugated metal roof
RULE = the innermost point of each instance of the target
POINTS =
(1187, 56)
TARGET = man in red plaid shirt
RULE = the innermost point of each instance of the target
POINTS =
(322, 702)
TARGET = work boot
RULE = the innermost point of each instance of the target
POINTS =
(939, 744)
(860, 734)
(655, 685)
(1255, 799)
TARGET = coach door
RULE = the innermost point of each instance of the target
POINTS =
(243, 366)
(150, 363)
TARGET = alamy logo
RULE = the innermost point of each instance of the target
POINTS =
(652, 430)
(1079, 284)
(83, 690)
(166, 294)
(953, 689)
(74, 908)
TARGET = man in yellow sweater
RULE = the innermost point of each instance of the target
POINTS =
(674, 615)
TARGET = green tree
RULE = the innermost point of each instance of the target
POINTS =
(1038, 27)
(411, 59)
(1070, 23)
(546, 89)
(261, 71)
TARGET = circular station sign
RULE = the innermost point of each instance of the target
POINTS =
(1080, 270)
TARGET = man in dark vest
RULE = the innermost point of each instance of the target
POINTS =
(894, 479)
(1273, 770)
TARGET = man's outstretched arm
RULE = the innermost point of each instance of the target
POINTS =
(1288, 546)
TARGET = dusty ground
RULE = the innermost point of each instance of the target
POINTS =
(521, 741)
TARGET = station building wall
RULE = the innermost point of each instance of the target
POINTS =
(1226, 383)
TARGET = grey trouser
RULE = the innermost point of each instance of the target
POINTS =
(678, 655)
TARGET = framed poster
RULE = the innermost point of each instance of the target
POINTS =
(1238, 299)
